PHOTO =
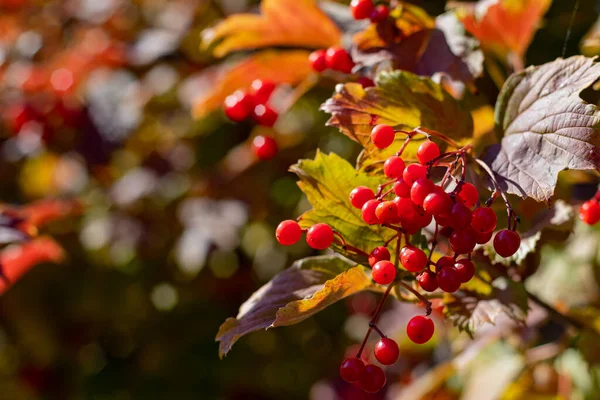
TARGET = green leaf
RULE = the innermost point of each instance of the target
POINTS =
(293, 295)
(545, 126)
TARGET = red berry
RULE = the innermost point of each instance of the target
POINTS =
(420, 329)
(483, 238)
(484, 220)
(379, 253)
(420, 189)
(444, 220)
(448, 279)
(262, 90)
(338, 59)
(410, 223)
(352, 369)
(361, 9)
(404, 205)
(317, 60)
(264, 115)
(382, 136)
(264, 147)
(319, 236)
(393, 167)
(288, 232)
(413, 172)
(438, 203)
(383, 272)
(422, 219)
(238, 106)
(386, 211)
(460, 216)
(468, 195)
(428, 281)
(443, 262)
(427, 151)
(379, 14)
(590, 212)
(465, 270)
(401, 188)
(413, 258)
(506, 242)
(365, 82)
(386, 351)
(368, 212)
(360, 195)
(463, 241)
(373, 379)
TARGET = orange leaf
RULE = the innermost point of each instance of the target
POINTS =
(292, 23)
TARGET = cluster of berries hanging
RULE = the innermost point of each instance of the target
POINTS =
(365, 9)
(590, 210)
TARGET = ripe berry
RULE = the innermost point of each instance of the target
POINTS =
(373, 379)
(428, 281)
(386, 212)
(317, 60)
(264, 147)
(383, 272)
(238, 106)
(483, 238)
(460, 216)
(410, 224)
(413, 258)
(420, 329)
(438, 203)
(382, 136)
(360, 195)
(484, 220)
(465, 270)
(413, 172)
(379, 253)
(443, 262)
(386, 351)
(393, 167)
(420, 189)
(365, 82)
(288, 232)
(264, 115)
(352, 369)
(463, 241)
(404, 205)
(506, 242)
(361, 9)
(319, 236)
(262, 90)
(444, 220)
(590, 212)
(448, 279)
(427, 151)
(379, 14)
(338, 59)
(422, 219)
(468, 195)
(401, 188)
(368, 212)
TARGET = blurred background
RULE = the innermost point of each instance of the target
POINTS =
(96, 102)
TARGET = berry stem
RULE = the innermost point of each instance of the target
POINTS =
(391, 239)
(498, 191)
(383, 186)
(430, 132)
(348, 247)
(376, 329)
(406, 142)
(433, 244)
(374, 319)
(419, 296)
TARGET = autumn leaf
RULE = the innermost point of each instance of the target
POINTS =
(545, 127)
(293, 295)
(289, 23)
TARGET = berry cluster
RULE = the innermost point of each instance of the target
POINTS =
(590, 210)
(365, 9)
(254, 103)
(335, 58)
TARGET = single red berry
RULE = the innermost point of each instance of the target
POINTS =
(386, 351)
(379, 253)
(338, 59)
(422, 218)
(382, 136)
(463, 241)
(238, 106)
(319, 236)
(401, 188)
(410, 223)
(443, 220)
(507, 242)
(393, 167)
(264, 115)
(361, 9)
(386, 211)
(468, 195)
(428, 281)
(448, 279)
(360, 195)
(352, 369)
(465, 270)
(460, 216)
(438, 203)
(317, 60)
(413, 172)
(420, 189)
(368, 212)
(484, 220)
(373, 379)
(288, 232)
(443, 262)
(590, 212)
(420, 329)
(446, 231)
(379, 14)
(365, 82)
(427, 151)
(483, 238)
(262, 90)
(404, 205)
(264, 147)
(413, 258)
(383, 272)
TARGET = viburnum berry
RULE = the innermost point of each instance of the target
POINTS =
(484, 220)
(438, 203)
(413, 258)
(422, 219)
(238, 106)
(360, 195)
(428, 281)
(590, 212)
(420, 189)
(262, 90)
(373, 379)
(507, 242)
(410, 223)
(379, 14)
(319, 236)
(443, 262)
(483, 238)
(420, 329)
(264, 115)
(465, 269)
(463, 241)
(288, 232)
(460, 216)
(427, 151)
(264, 147)
(383, 272)
(338, 59)
(317, 60)
(386, 212)
(401, 188)
(386, 351)
(404, 205)
(448, 279)
(368, 212)
(365, 82)
(393, 167)
(361, 9)
(379, 253)
(413, 172)
(352, 369)
(468, 195)
(444, 220)
(382, 136)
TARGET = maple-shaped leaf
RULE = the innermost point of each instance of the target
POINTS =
(546, 127)
(289, 23)
(307, 287)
